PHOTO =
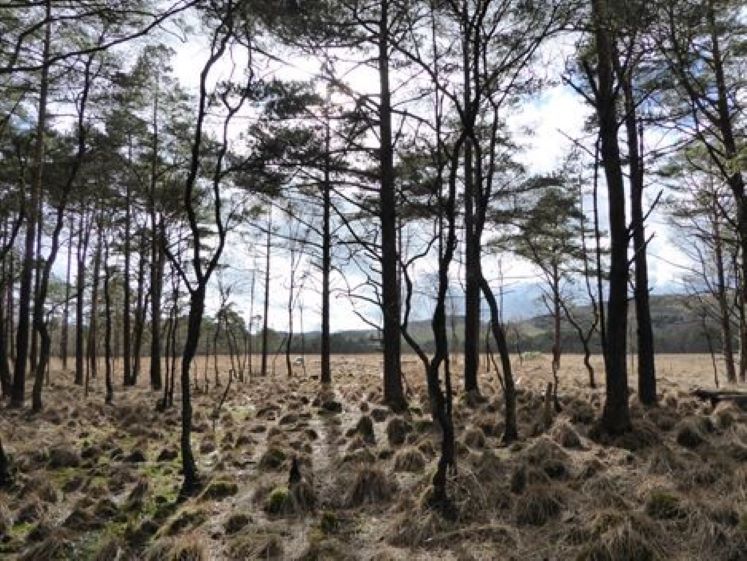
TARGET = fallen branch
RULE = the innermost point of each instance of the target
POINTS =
(739, 398)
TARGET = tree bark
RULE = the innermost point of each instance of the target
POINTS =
(140, 310)
(722, 299)
(194, 322)
(390, 298)
(326, 371)
(511, 432)
(616, 414)
(107, 326)
(93, 316)
(64, 336)
(644, 331)
(81, 254)
(735, 180)
(32, 205)
(126, 313)
(265, 319)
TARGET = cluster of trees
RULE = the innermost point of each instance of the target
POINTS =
(392, 178)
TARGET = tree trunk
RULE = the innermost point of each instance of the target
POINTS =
(265, 319)
(126, 313)
(556, 346)
(326, 371)
(644, 331)
(81, 254)
(511, 432)
(189, 467)
(32, 204)
(107, 326)
(34, 348)
(157, 244)
(140, 310)
(5, 376)
(472, 250)
(5, 478)
(393, 393)
(722, 299)
(616, 414)
(289, 340)
(93, 321)
(156, 288)
(64, 336)
(250, 336)
(736, 179)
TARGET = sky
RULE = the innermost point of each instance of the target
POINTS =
(544, 128)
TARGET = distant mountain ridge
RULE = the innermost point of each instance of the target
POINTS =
(677, 327)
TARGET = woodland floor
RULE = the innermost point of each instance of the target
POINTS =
(101, 482)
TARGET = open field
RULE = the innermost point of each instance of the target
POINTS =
(100, 482)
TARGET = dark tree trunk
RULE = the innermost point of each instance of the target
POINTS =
(216, 372)
(250, 336)
(393, 392)
(11, 311)
(472, 245)
(289, 338)
(34, 348)
(32, 203)
(156, 288)
(65, 335)
(511, 432)
(722, 298)
(80, 286)
(39, 319)
(45, 266)
(644, 332)
(5, 478)
(189, 467)
(126, 313)
(265, 319)
(93, 321)
(5, 376)
(326, 371)
(556, 346)
(140, 310)
(157, 257)
(735, 180)
(174, 356)
(616, 414)
(108, 326)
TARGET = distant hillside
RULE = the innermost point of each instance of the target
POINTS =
(677, 329)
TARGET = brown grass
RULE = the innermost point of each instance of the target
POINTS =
(87, 474)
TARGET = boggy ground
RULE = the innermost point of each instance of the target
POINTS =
(101, 482)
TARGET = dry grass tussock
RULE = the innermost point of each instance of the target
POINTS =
(101, 482)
